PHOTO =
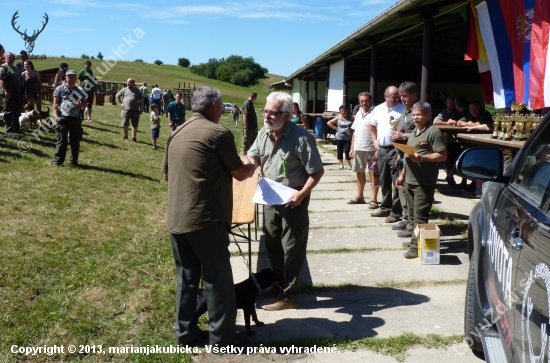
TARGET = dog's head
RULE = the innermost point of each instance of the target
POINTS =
(267, 278)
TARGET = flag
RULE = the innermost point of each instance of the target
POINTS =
(539, 87)
(475, 49)
(499, 51)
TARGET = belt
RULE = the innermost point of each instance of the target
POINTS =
(387, 147)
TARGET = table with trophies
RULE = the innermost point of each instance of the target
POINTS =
(510, 131)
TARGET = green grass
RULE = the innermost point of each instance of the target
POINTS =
(166, 76)
(85, 253)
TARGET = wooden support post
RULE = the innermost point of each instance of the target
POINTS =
(373, 74)
(345, 83)
(426, 59)
(315, 87)
(326, 88)
(307, 93)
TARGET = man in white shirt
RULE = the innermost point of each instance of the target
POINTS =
(362, 151)
(381, 133)
(156, 93)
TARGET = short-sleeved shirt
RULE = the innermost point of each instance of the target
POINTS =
(13, 77)
(251, 118)
(198, 160)
(381, 120)
(131, 98)
(483, 118)
(156, 93)
(155, 120)
(144, 91)
(68, 97)
(177, 112)
(447, 114)
(344, 130)
(363, 139)
(428, 141)
(87, 77)
(295, 145)
(296, 119)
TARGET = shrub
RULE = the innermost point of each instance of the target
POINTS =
(184, 62)
(99, 56)
(85, 56)
(139, 60)
(158, 62)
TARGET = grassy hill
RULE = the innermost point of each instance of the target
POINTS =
(166, 76)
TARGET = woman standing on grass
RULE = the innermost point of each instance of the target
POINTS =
(342, 125)
(32, 86)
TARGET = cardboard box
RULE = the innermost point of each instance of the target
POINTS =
(428, 243)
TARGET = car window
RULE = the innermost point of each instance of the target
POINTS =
(533, 174)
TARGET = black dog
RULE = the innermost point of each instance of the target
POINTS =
(246, 293)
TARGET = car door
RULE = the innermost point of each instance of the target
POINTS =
(523, 209)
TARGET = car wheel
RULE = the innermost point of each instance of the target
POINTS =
(471, 311)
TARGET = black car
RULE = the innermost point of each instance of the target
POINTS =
(508, 292)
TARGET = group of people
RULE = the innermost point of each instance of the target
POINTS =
(199, 164)
(407, 182)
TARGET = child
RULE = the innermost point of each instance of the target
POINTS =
(155, 124)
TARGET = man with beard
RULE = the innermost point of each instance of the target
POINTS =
(381, 133)
(287, 153)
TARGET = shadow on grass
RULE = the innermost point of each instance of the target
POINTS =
(91, 125)
(120, 172)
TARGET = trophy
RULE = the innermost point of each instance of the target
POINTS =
(393, 123)
(503, 122)
(498, 120)
(519, 128)
(528, 125)
(508, 128)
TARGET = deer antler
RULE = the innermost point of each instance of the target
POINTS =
(13, 19)
(35, 34)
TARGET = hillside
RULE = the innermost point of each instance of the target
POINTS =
(166, 76)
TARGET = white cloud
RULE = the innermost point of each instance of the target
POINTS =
(199, 9)
(63, 13)
(77, 30)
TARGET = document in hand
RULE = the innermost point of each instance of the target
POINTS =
(270, 192)
(407, 149)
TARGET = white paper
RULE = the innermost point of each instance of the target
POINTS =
(270, 192)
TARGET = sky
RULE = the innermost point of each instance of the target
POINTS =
(282, 36)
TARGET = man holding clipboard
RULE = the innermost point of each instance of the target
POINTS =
(419, 176)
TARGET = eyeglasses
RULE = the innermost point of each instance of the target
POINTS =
(271, 113)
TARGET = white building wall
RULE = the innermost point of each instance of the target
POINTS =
(336, 85)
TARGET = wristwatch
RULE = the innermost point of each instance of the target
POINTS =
(404, 137)
(421, 158)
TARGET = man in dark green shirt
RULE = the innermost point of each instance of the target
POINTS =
(250, 122)
(200, 163)
(419, 176)
(86, 78)
(176, 112)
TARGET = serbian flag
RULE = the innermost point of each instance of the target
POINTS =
(499, 51)
(539, 87)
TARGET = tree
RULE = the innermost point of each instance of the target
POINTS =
(158, 62)
(184, 62)
(85, 56)
(139, 60)
(235, 69)
(99, 56)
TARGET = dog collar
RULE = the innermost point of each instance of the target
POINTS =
(253, 277)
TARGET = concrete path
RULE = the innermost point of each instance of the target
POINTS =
(362, 286)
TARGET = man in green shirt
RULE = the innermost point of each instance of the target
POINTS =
(86, 79)
(419, 176)
(145, 93)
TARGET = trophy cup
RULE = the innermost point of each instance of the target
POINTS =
(528, 125)
(393, 123)
(519, 128)
(508, 128)
(503, 122)
(498, 120)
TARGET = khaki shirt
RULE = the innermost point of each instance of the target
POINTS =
(428, 141)
(198, 160)
(296, 145)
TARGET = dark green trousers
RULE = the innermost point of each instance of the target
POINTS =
(206, 251)
(419, 203)
(286, 234)
(62, 129)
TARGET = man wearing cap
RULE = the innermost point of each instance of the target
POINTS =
(132, 107)
(21, 65)
(10, 86)
(86, 78)
(68, 100)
